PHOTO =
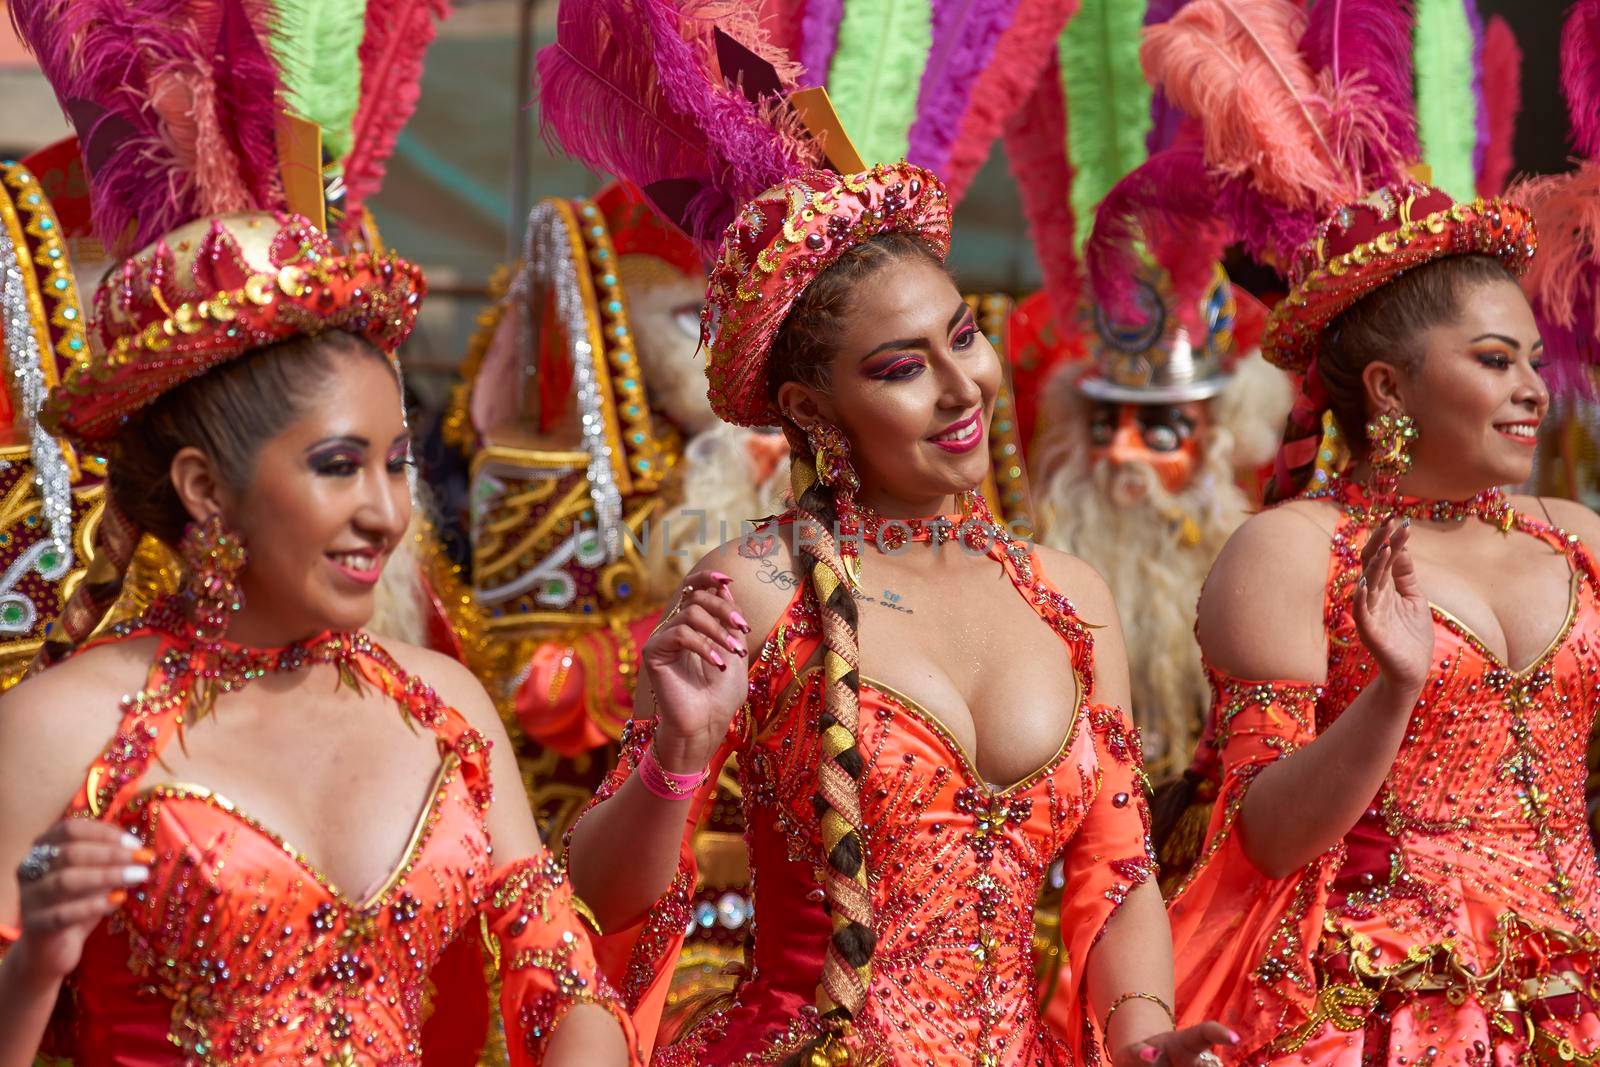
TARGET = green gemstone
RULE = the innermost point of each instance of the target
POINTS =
(12, 613)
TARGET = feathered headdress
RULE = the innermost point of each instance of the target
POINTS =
(208, 130)
(191, 108)
(1564, 282)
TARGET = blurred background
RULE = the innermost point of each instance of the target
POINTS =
(450, 203)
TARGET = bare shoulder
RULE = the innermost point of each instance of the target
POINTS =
(1569, 515)
(1080, 583)
(763, 566)
(54, 724)
(1260, 612)
(456, 685)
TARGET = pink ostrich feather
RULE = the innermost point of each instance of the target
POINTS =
(652, 114)
(1502, 96)
(1563, 280)
(1580, 75)
(1236, 65)
(396, 38)
(155, 96)
(965, 35)
(1018, 58)
(1361, 52)
(1036, 148)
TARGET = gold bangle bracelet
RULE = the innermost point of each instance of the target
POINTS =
(1105, 1027)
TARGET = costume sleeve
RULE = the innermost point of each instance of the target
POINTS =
(544, 957)
(1106, 859)
(1243, 941)
(639, 957)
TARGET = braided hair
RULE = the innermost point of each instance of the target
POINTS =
(1387, 325)
(803, 351)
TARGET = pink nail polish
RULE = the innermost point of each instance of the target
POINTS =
(1148, 1054)
(738, 620)
(1233, 1036)
(720, 578)
(721, 666)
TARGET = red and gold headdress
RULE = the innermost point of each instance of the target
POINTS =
(231, 143)
(1365, 245)
(778, 244)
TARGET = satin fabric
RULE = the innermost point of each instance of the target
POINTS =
(1456, 922)
(955, 867)
(238, 950)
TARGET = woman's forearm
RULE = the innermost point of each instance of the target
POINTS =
(624, 853)
(1341, 770)
(26, 1003)
(1133, 955)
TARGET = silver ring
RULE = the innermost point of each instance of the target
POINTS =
(1208, 1059)
(37, 863)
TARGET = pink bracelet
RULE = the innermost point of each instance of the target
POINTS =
(662, 782)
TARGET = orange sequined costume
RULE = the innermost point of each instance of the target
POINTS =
(238, 950)
(1456, 922)
(955, 865)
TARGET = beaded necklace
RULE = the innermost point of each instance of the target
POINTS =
(1369, 508)
(974, 526)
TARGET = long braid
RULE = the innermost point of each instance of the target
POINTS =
(847, 966)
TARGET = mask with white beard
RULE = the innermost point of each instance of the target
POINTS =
(1151, 519)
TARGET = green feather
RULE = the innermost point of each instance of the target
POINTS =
(877, 70)
(1446, 106)
(1107, 101)
(317, 45)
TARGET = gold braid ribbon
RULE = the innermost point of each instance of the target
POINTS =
(843, 988)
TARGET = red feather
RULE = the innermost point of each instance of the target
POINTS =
(1563, 281)
(398, 33)
(1014, 68)
(1036, 148)
(1580, 75)
(1502, 96)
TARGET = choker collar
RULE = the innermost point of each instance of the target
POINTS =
(1369, 507)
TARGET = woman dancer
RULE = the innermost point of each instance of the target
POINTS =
(245, 390)
(924, 725)
(1417, 651)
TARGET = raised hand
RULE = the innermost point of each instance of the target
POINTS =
(1189, 1047)
(1391, 613)
(697, 665)
(75, 875)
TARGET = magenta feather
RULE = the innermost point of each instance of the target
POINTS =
(819, 36)
(168, 106)
(1036, 149)
(1364, 48)
(623, 91)
(965, 34)
(1019, 57)
(246, 80)
(1481, 118)
(1502, 95)
(397, 36)
(1168, 205)
(1580, 75)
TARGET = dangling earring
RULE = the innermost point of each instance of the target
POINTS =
(1390, 436)
(215, 557)
(832, 450)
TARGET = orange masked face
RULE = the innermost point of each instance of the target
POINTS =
(1163, 437)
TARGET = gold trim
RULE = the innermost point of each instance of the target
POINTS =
(1466, 633)
(420, 831)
